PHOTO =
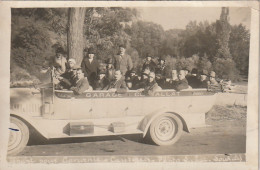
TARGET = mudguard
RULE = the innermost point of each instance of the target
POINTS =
(31, 121)
(148, 119)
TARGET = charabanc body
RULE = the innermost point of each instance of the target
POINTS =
(62, 114)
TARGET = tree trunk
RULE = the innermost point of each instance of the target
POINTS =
(75, 36)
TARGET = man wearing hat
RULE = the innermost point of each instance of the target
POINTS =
(59, 61)
(110, 70)
(151, 87)
(144, 80)
(123, 62)
(101, 81)
(90, 65)
(203, 79)
(212, 78)
(162, 71)
(129, 83)
(193, 79)
(134, 79)
(149, 63)
(118, 85)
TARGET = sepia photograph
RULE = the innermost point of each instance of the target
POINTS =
(128, 84)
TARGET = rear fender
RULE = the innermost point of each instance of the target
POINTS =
(30, 122)
(148, 119)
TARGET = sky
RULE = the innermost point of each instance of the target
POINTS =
(179, 17)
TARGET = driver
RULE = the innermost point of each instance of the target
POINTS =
(81, 83)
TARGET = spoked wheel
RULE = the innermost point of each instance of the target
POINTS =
(166, 129)
(18, 137)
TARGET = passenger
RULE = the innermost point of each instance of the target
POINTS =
(118, 85)
(68, 79)
(81, 83)
(203, 80)
(187, 72)
(129, 83)
(123, 62)
(149, 63)
(90, 65)
(193, 79)
(162, 71)
(212, 79)
(151, 86)
(182, 83)
(144, 80)
(170, 84)
(101, 82)
(134, 79)
(59, 62)
(110, 70)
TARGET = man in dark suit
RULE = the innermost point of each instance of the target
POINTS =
(81, 83)
(123, 62)
(101, 82)
(193, 79)
(90, 65)
(118, 85)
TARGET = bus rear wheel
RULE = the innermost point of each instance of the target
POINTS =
(166, 129)
(18, 137)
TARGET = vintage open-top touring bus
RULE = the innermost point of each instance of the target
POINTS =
(61, 114)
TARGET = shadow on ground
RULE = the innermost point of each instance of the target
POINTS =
(37, 139)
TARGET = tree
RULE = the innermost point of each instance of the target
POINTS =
(75, 39)
(223, 34)
(239, 47)
(147, 37)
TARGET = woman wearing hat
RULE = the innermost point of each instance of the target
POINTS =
(90, 65)
(149, 63)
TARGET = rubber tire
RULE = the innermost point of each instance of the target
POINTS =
(177, 132)
(23, 128)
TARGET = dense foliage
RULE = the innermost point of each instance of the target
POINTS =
(37, 32)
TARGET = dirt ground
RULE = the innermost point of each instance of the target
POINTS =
(225, 134)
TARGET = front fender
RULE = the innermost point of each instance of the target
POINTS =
(148, 119)
(31, 121)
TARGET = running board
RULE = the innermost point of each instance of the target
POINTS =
(88, 128)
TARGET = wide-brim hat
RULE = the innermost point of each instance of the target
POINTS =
(145, 74)
(122, 45)
(194, 71)
(91, 51)
(162, 58)
(204, 72)
(60, 50)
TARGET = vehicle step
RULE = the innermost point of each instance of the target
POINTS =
(78, 128)
(117, 127)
